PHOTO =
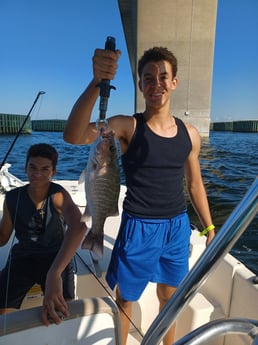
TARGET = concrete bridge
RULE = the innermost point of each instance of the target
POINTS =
(187, 28)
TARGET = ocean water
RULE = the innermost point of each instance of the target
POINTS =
(229, 163)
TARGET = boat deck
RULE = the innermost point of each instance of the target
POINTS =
(228, 291)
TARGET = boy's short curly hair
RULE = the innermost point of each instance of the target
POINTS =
(158, 54)
(43, 150)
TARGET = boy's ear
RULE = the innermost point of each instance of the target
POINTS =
(54, 172)
(174, 83)
(140, 85)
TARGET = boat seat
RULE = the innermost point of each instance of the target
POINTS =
(91, 321)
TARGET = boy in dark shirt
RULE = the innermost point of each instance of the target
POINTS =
(158, 152)
(39, 213)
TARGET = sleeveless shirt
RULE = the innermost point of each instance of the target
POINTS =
(40, 234)
(154, 172)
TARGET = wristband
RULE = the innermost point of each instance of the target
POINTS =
(206, 230)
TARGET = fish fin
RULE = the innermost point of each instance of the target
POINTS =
(98, 247)
(82, 176)
(86, 215)
(115, 212)
(94, 243)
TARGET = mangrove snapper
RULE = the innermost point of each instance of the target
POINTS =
(102, 187)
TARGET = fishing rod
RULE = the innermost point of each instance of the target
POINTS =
(21, 128)
(105, 86)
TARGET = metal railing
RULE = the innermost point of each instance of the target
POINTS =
(219, 328)
(229, 233)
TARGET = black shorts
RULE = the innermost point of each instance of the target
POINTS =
(23, 273)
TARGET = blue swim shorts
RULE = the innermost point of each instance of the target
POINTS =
(149, 250)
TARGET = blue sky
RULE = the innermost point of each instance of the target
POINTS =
(48, 45)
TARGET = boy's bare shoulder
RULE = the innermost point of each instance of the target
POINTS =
(123, 125)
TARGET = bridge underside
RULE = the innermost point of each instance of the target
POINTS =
(186, 27)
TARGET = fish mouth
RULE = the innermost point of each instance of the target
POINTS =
(106, 135)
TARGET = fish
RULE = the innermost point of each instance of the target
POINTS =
(102, 187)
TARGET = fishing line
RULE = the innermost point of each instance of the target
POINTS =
(9, 262)
(113, 299)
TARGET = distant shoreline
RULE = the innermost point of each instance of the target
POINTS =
(250, 126)
(11, 124)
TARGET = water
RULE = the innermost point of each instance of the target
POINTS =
(229, 165)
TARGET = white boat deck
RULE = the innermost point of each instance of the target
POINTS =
(228, 292)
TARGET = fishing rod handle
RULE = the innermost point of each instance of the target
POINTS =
(110, 43)
(105, 83)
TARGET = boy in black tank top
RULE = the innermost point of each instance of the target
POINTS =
(158, 152)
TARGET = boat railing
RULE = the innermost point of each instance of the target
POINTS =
(7, 180)
(227, 236)
(219, 328)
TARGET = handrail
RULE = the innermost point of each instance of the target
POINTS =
(229, 233)
(219, 328)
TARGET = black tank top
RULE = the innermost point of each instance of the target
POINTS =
(40, 234)
(154, 171)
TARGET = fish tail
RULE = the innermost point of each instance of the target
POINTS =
(94, 243)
